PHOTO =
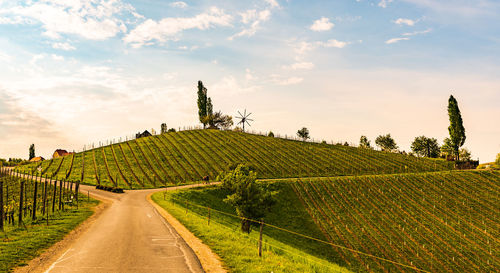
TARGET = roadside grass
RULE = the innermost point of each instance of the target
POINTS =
(19, 245)
(281, 252)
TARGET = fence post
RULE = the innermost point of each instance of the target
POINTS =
(60, 194)
(260, 238)
(21, 203)
(46, 188)
(1, 204)
(54, 195)
(33, 217)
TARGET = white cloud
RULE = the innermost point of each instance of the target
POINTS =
(169, 28)
(249, 75)
(229, 86)
(322, 24)
(300, 66)
(465, 8)
(403, 21)
(253, 18)
(273, 3)
(63, 46)
(57, 57)
(417, 32)
(384, 3)
(179, 4)
(95, 20)
(290, 81)
(395, 40)
(333, 43)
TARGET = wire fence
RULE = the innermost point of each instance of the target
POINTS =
(189, 206)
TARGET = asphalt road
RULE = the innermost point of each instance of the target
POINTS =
(129, 236)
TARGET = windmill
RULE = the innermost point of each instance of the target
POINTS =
(244, 119)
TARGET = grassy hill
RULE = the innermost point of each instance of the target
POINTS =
(436, 222)
(186, 156)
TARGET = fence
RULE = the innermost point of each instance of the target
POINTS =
(30, 196)
(189, 206)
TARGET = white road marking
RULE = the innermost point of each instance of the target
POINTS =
(58, 260)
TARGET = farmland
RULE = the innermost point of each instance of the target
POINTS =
(186, 156)
(432, 222)
(38, 218)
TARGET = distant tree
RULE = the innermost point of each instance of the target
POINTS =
(238, 129)
(164, 128)
(251, 200)
(447, 148)
(271, 134)
(386, 143)
(210, 107)
(32, 151)
(346, 143)
(218, 121)
(171, 130)
(324, 142)
(424, 146)
(456, 128)
(465, 154)
(203, 103)
(364, 143)
(497, 162)
(303, 133)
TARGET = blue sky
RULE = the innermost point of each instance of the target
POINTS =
(82, 71)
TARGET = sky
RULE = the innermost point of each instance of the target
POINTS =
(76, 72)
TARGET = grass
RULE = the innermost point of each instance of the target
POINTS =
(282, 252)
(188, 156)
(18, 245)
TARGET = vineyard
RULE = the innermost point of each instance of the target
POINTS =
(186, 156)
(36, 214)
(435, 222)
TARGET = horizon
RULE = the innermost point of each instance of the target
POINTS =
(74, 73)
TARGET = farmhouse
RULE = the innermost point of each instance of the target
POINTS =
(143, 134)
(37, 159)
(59, 153)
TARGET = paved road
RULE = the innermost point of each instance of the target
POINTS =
(129, 236)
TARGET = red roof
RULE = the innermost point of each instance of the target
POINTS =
(61, 152)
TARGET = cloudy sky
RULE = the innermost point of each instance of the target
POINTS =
(73, 72)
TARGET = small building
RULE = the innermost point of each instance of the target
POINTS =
(59, 153)
(143, 134)
(37, 159)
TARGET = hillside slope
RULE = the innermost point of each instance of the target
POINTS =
(190, 155)
(434, 222)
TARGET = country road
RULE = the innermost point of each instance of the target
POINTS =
(129, 236)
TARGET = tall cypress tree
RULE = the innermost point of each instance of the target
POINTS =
(456, 128)
(202, 102)
(32, 151)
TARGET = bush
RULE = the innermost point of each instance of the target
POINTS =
(108, 188)
(271, 134)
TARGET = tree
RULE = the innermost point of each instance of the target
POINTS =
(465, 154)
(456, 128)
(32, 151)
(251, 200)
(204, 103)
(497, 162)
(447, 148)
(303, 133)
(386, 143)
(218, 121)
(424, 146)
(171, 130)
(163, 128)
(364, 143)
(271, 134)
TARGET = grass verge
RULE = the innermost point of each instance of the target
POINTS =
(18, 245)
(282, 252)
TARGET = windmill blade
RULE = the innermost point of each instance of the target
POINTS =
(249, 119)
(249, 124)
(249, 115)
(245, 113)
(239, 113)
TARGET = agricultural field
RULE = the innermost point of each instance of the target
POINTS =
(186, 156)
(38, 218)
(426, 222)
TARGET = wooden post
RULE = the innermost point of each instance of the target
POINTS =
(60, 193)
(33, 217)
(45, 188)
(1, 204)
(21, 203)
(260, 238)
(54, 196)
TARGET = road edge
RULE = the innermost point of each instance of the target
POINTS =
(43, 261)
(210, 261)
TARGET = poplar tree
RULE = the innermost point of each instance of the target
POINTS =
(32, 151)
(205, 107)
(456, 128)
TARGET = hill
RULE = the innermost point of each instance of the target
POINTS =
(431, 222)
(180, 157)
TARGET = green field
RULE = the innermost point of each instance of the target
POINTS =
(187, 156)
(435, 222)
(22, 242)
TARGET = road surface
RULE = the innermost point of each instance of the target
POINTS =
(129, 236)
